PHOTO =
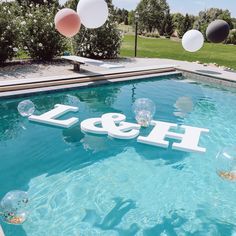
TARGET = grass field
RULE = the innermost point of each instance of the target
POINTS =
(224, 55)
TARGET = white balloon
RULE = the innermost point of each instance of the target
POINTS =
(192, 40)
(93, 13)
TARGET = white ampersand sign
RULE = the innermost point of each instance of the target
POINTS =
(112, 124)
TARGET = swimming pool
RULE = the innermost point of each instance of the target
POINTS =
(82, 184)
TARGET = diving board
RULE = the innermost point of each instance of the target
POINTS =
(77, 61)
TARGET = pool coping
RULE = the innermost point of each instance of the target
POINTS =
(21, 87)
(15, 88)
(211, 79)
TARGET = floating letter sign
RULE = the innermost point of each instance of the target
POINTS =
(112, 124)
(189, 140)
(50, 117)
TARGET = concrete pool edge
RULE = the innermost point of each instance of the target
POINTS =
(15, 88)
(61, 88)
(19, 87)
(201, 77)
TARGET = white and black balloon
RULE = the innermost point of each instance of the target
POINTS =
(226, 163)
(217, 31)
(193, 41)
(93, 13)
(13, 207)
(144, 110)
(26, 108)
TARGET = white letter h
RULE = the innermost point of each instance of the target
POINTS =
(189, 140)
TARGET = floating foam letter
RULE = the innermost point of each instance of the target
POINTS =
(1, 231)
(50, 117)
(112, 124)
(189, 140)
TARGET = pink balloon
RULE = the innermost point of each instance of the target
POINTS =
(67, 22)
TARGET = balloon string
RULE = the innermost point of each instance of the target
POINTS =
(72, 46)
(83, 37)
(81, 41)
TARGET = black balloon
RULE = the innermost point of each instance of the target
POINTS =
(217, 31)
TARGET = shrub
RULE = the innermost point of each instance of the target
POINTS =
(39, 37)
(232, 37)
(8, 32)
(152, 35)
(101, 43)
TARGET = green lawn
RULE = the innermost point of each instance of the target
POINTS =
(221, 54)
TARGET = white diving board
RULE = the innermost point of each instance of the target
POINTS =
(77, 61)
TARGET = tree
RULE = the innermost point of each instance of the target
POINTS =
(126, 17)
(232, 37)
(168, 25)
(131, 17)
(177, 19)
(121, 16)
(234, 22)
(207, 16)
(40, 2)
(152, 14)
(100, 43)
(118, 15)
(184, 26)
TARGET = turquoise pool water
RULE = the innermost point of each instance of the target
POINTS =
(82, 184)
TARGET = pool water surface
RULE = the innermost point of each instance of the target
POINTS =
(81, 184)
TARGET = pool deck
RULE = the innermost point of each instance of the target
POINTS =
(18, 76)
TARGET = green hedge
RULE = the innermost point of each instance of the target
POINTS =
(29, 28)
(9, 32)
(39, 36)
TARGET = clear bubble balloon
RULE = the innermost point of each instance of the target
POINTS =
(144, 110)
(26, 108)
(226, 163)
(13, 207)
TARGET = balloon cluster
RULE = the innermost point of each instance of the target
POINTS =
(226, 164)
(216, 32)
(13, 207)
(144, 110)
(91, 13)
